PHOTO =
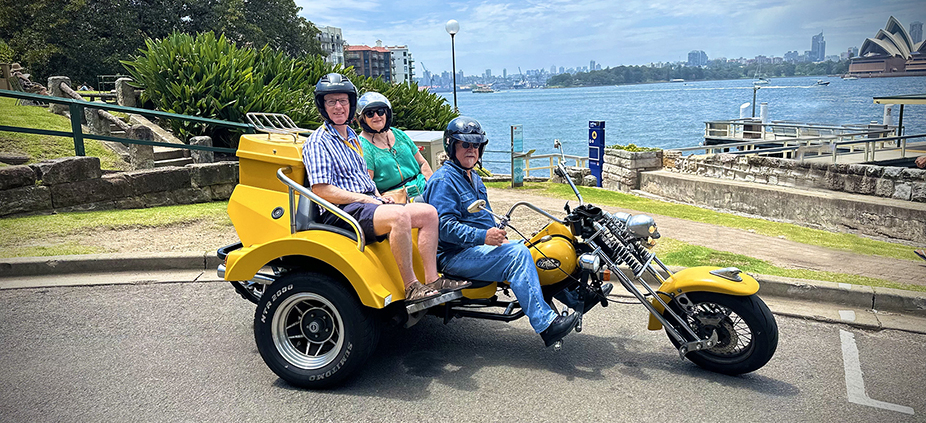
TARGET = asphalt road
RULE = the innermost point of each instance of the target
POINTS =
(185, 352)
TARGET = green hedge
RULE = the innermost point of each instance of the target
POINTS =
(211, 77)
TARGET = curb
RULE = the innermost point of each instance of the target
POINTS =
(104, 263)
(858, 296)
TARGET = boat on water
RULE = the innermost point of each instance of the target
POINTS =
(822, 82)
(761, 81)
(483, 89)
(677, 80)
(849, 78)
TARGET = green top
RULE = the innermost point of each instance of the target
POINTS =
(391, 166)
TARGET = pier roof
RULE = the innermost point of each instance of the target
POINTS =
(902, 99)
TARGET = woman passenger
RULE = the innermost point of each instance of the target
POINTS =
(393, 160)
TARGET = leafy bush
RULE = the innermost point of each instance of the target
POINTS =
(633, 148)
(211, 77)
(6, 53)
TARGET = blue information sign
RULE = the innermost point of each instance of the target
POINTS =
(596, 148)
(517, 163)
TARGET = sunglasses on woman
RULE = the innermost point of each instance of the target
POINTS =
(370, 113)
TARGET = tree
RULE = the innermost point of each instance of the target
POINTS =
(85, 38)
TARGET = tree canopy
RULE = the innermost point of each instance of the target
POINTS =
(85, 38)
(716, 71)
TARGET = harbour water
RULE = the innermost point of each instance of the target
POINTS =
(672, 115)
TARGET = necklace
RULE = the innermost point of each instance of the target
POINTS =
(385, 143)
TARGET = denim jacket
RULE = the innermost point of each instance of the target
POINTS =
(450, 192)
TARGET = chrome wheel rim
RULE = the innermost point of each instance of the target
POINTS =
(308, 331)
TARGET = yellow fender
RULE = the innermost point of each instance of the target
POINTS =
(699, 279)
(373, 273)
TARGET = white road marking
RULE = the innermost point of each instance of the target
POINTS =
(855, 386)
(845, 285)
(847, 315)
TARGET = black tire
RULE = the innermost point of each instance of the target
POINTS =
(248, 290)
(746, 329)
(311, 331)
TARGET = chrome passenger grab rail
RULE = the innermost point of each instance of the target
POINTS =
(293, 186)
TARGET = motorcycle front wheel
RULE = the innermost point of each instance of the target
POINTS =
(746, 330)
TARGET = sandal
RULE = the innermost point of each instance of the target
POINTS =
(920, 253)
(445, 285)
(416, 292)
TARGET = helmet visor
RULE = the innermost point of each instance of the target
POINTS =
(470, 138)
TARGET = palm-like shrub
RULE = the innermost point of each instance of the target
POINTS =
(211, 77)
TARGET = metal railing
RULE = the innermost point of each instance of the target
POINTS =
(76, 110)
(833, 146)
(580, 161)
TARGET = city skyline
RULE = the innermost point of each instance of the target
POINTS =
(500, 35)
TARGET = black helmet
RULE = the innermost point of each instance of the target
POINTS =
(333, 83)
(466, 129)
(372, 101)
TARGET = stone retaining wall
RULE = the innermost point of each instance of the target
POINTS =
(77, 183)
(621, 169)
(879, 181)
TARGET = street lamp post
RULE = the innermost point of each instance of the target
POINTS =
(452, 28)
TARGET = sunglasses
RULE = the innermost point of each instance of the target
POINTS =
(467, 145)
(370, 113)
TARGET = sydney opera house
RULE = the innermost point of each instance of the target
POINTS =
(891, 52)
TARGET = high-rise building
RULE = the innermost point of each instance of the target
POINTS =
(370, 61)
(403, 67)
(591, 65)
(817, 48)
(488, 73)
(504, 73)
(697, 58)
(332, 44)
(553, 69)
(916, 31)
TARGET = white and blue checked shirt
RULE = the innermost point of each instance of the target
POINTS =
(329, 160)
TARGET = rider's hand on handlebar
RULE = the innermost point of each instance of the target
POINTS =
(496, 236)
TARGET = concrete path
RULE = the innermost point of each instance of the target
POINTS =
(780, 252)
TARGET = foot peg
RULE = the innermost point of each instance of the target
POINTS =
(701, 344)
(438, 300)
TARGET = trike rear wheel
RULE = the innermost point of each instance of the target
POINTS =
(311, 331)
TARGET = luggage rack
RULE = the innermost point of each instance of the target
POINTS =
(275, 123)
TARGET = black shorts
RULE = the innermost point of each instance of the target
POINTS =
(363, 213)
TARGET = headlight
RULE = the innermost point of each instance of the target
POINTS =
(590, 262)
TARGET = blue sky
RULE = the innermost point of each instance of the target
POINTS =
(497, 34)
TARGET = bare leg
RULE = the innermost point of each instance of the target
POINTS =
(396, 221)
(424, 217)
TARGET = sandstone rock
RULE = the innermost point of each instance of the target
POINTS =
(16, 176)
(68, 169)
(24, 200)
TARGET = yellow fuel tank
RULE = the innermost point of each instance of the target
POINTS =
(556, 258)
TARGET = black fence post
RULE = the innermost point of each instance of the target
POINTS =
(77, 112)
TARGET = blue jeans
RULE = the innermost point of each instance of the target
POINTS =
(510, 262)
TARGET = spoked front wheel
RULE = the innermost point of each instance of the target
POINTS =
(747, 333)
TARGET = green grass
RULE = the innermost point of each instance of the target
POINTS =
(44, 147)
(796, 233)
(15, 232)
(677, 253)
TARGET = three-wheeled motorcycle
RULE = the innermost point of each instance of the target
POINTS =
(323, 293)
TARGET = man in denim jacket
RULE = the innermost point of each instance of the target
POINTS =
(471, 246)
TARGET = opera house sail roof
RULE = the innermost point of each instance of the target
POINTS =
(891, 52)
